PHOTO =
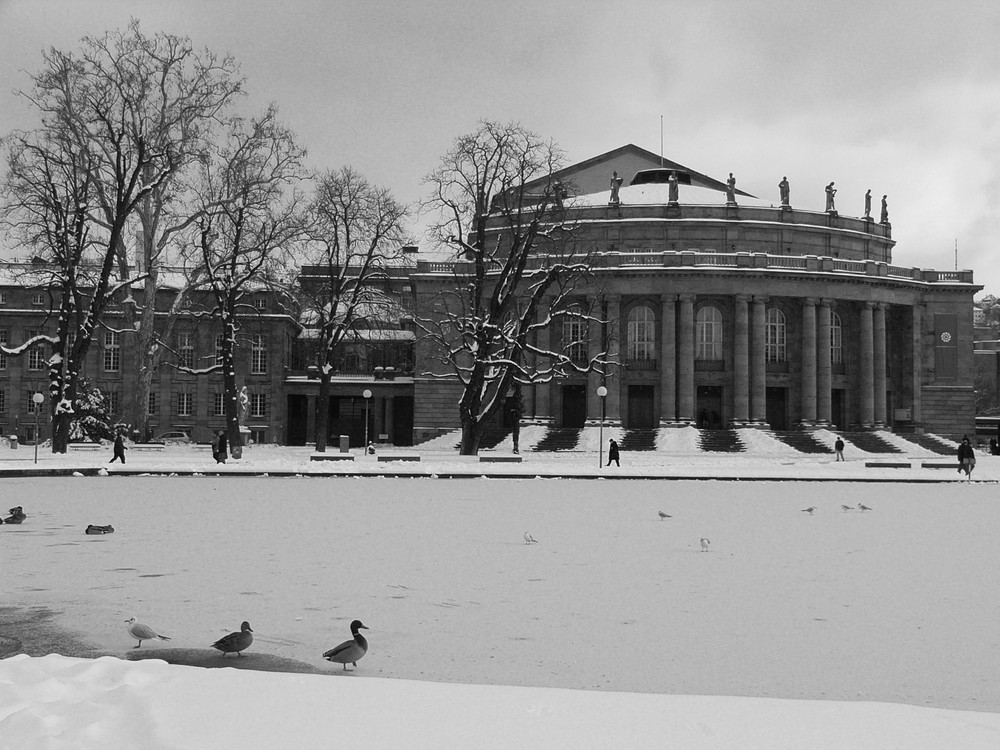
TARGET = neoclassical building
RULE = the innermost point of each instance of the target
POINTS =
(724, 309)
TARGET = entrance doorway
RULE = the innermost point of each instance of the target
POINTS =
(776, 411)
(574, 405)
(709, 407)
(640, 407)
(298, 419)
(837, 408)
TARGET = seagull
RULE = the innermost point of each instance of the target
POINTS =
(143, 632)
(235, 642)
(529, 539)
(664, 515)
(350, 652)
(846, 508)
(704, 544)
(810, 510)
(863, 507)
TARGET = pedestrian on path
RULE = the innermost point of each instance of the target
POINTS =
(966, 458)
(220, 447)
(613, 453)
(119, 448)
(838, 447)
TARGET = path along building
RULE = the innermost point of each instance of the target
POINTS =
(727, 310)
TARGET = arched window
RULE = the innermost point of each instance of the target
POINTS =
(641, 333)
(574, 338)
(708, 333)
(836, 340)
(774, 340)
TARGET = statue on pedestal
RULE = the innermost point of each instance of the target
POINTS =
(830, 192)
(783, 190)
(242, 407)
(616, 184)
(731, 190)
(868, 204)
(672, 182)
(885, 211)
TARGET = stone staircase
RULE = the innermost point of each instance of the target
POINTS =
(801, 441)
(933, 443)
(559, 439)
(492, 437)
(871, 442)
(720, 441)
(639, 440)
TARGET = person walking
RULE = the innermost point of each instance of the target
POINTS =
(119, 448)
(220, 447)
(613, 453)
(838, 448)
(966, 458)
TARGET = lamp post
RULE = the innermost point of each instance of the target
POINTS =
(602, 392)
(368, 397)
(38, 398)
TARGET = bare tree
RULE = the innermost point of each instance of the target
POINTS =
(250, 212)
(355, 238)
(517, 270)
(118, 121)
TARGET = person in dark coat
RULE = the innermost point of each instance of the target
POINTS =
(838, 447)
(613, 453)
(966, 458)
(221, 448)
(119, 449)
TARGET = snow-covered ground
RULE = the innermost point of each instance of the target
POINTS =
(826, 630)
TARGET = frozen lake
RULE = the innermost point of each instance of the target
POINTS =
(898, 604)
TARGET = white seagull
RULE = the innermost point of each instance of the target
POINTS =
(664, 515)
(810, 510)
(704, 544)
(846, 508)
(143, 632)
(529, 539)
(863, 507)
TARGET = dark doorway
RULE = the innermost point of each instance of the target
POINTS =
(298, 420)
(574, 405)
(776, 408)
(402, 420)
(709, 407)
(837, 408)
(347, 417)
(640, 407)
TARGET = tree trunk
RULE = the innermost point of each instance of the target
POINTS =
(60, 432)
(323, 411)
(471, 434)
(230, 396)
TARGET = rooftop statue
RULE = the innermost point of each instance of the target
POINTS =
(885, 211)
(672, 182)
(616, 183)
(830, 192)
(868, 204)
(731, 190)
(784, 191)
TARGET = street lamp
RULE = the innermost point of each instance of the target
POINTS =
(602, 392)
(38, 398)
(368, 397)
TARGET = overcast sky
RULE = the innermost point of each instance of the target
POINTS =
(901, 97)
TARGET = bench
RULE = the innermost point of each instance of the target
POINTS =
(147, 447)
(331, 457)
(85, 446)
(398, 458)
(939, 465)
(500, 459)
(887, 465)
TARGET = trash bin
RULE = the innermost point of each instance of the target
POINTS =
(13, 441)
(345, 443)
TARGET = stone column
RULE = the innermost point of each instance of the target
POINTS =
(866, 395)
(824, 366)
(808, 384)
(741, 361)
(879, 364)
(668, 359)
(390, 407)
(685, 361)
(613, 344)
(917, 311)
(758, 365)
(596, 343)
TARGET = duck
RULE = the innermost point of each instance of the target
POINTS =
(93, 529)
(16, 515)
(235, 642)
(143, 632)
(349, 652)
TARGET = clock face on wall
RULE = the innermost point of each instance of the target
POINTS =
(946, 337)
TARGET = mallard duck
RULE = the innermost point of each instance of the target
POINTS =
(16, 515)
(92, 529)
(235, 642)
(143, 632)
(349, 652)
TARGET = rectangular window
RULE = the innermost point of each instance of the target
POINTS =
(258, 354)
(114, 401)
(258, 435)
(218, 405)
(185, 404)
(36, 354)
(30, 400)
(38, 299)
(3, 298)
(3, 400)
(112, 351)
(218, 348)
(258, 405)
(185, 349)
(260, 303)
(151, 405)
(3, 342)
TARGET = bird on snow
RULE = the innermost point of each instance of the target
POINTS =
(17, 515)
(235, 642)
(810, 510)
(863, 507)
(95, 529)
(704, 544)
(529, 539)
(143, 632)
(664, 515)
(846, 508)
(349, 652)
